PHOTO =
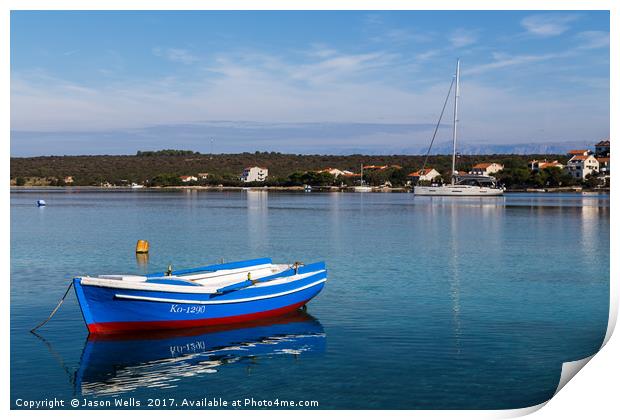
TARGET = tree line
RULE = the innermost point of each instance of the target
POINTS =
(165, 168)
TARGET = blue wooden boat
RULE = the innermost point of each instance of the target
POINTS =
(211, 295)
(114, 364)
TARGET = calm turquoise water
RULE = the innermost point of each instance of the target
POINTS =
(431, 303)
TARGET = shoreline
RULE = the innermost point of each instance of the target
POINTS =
(292, 189)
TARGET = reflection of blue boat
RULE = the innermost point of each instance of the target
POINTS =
(115, 364)
(212, 295)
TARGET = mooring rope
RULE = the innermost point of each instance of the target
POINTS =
(55, 309)
(70, 374)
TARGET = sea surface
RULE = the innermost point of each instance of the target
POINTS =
(431, 303)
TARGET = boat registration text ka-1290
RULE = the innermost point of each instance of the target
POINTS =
(191, 309)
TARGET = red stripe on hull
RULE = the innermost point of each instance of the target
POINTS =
(115, 327)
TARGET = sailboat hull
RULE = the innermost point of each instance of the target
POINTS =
(458, 191)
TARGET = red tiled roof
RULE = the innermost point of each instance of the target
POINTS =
(421, 172)
(579, 157)
(483, 165)
(554, 164)
(578, 152)
(603, 159)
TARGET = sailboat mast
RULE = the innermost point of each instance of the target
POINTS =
(361, 174)
(456, 110)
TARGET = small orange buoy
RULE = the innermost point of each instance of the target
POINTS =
(142, 247)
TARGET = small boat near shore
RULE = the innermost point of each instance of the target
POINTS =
(211, 295)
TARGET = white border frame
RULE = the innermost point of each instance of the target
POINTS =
(597, 384)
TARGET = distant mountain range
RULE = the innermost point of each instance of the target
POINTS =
(503, 149)
(445, 148)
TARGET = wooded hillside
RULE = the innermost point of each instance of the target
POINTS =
(226, 168)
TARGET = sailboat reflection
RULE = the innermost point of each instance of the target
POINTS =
(112, 365)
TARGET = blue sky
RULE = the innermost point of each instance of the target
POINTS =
(302, 82)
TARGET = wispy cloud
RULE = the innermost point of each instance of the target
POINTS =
(592, 39)
(381, 30)
(462, 37)
(401, 35)
(427, 55)
(501, 60)
(548, 24)
(321, 51)
(321, 67)
(341, 65)
(177, 55)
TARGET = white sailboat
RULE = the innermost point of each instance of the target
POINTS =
(466, 185)
(362, 187)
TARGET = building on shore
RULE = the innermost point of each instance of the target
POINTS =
(603, 165)
(539, 165)
(68, 180)
(188, 178)
(486, 168)
(601, 149)
(381, 167)
(579, 152)
(427, 174)
(254, 174)
(203, 175)
(584, 162)
(375, 167)
(333, 171)
(580, 166)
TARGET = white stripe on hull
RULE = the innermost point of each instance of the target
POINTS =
(218, 302)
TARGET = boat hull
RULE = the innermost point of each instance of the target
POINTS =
(111, 310)
(458, 191)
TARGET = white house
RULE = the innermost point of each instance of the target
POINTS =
(254, 174)
(539, 165)
(335, 172)
(427, 174)
(486, 168)
(188, 178)
(203, 175)
(579, 152)
(580, 166)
